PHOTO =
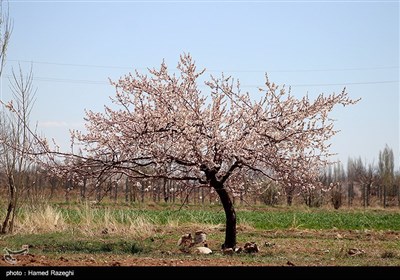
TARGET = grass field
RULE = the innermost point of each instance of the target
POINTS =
(76, 234)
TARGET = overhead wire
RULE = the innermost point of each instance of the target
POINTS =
(84, 81)
(210, 70)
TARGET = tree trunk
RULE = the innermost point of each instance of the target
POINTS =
(7, 223)
(98, 192)
(11, 225)
(165, 193)
(158, 193)
(188, 195)
(83, 189)
(132, 192)
(142, 190)
(195, 195)
(384, 196)
(68, 187)
(364, 195)
(230, 214)
(154, 191)
(115, 192)
(398, 194)
(289, 198)
(127, 190)
(173, 194)
(28, 187)
(350, 194)
(109, 189)
(53, 184)
(38, 186)
(181, 194)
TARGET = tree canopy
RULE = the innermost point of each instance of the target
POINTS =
(162, 125)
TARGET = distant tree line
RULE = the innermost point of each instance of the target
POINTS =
(360, 184)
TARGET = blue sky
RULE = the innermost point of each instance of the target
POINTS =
(316, 47)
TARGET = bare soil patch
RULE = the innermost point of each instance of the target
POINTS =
(277, 248)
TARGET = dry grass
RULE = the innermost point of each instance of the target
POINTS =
(97, 222)
(41, 219)
(108, 223)
(46, 219)
(134, 227)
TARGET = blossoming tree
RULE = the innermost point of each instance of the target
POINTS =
(162, 125)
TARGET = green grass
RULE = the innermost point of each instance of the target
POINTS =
(260, 219)
(323, 220)
(64, 242)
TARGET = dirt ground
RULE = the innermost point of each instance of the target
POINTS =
(288, 248)
(115, 260)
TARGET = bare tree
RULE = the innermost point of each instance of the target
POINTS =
(365, 175)
(353, 175)
(386, 172)
(15, 140)
(206, 141)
